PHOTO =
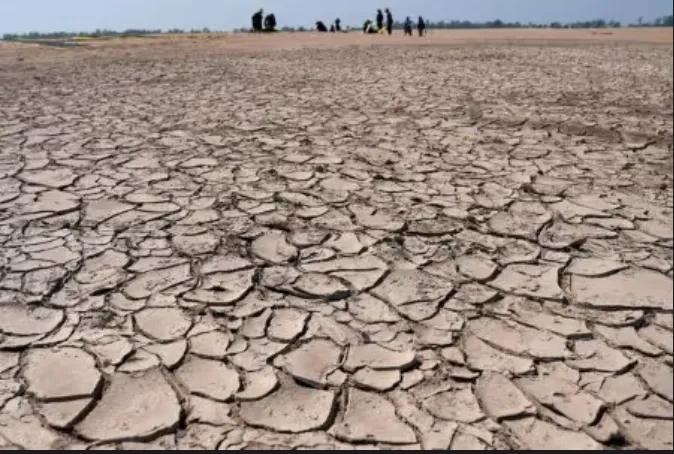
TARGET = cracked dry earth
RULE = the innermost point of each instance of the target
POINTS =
(294, 248)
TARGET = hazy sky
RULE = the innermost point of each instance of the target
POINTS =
(83, 15)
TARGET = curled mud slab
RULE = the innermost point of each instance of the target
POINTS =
(257, 243)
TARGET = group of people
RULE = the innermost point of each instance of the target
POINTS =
(421, 26)
(335, 27)
(380, 27)
(262, 23)
(383, 24)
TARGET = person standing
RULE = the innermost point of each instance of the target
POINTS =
(379, 20)
(270, 23)
(421, 26)
(257, 20)
(389, 21)
(408, 26)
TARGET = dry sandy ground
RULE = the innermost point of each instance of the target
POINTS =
(307, 241)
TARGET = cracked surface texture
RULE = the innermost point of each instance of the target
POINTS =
(271, 243)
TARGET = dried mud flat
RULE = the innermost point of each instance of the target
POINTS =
(279, 245)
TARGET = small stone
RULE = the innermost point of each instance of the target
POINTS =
(500, 398)
(359, 425)
(66, 373)
(208, 378)
(376, 380)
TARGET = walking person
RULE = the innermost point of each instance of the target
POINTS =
(389, 21)
(421, 26)
(379, 20)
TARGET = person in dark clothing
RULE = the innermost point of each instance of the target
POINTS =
(320, 26)
(369, 28)
(332, 28)
(421, 26)
(379, 20)
(338, 25)
(408, 26)
(257, 21)
(270, 22)
(389, 21)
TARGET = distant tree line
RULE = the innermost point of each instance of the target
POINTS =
(99, 34)
(663, 21)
